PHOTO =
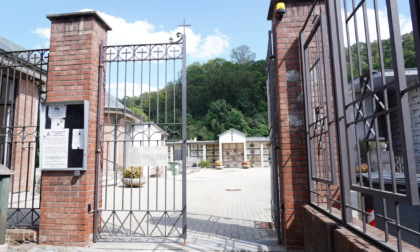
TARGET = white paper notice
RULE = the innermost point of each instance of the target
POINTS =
(57, 123)
(55, 152)
(57, 111)
(77, 139)
(148, 156)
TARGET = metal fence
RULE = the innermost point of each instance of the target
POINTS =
(275, 196)
(360, 70)
(145, 110)
(23, 79)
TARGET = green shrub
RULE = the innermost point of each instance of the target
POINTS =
(204, 163)
(133, 172)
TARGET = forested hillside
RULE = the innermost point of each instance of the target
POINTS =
(221, 94)
(408, 51)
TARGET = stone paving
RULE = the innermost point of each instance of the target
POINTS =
(223, 209)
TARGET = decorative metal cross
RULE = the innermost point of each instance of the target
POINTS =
(35, 58)
(142, 52)
(184, 25)
(174, 51)
(127, 53)
(158, 51)
(110, 53)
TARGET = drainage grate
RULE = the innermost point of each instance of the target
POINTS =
(264, 225)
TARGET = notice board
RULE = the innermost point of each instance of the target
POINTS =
(63, 136)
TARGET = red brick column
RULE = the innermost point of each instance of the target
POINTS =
(72, 75)
(293, 172)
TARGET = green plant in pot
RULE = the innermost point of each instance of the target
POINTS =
(204, 164)
(133, 176)
(218, 164)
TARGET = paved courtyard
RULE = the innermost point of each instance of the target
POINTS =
(223, 209)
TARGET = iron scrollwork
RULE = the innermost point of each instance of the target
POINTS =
(145, 52)
(25, 58)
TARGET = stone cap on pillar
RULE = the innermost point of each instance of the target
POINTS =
(80, 14)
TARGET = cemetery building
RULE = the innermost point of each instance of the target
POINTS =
(232, 148)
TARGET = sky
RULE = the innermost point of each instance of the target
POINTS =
(217, 26)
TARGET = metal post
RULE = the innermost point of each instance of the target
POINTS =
(4, 197)
(98, 145)
(339, 77)
(184, 138)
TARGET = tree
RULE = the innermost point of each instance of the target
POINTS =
(408, 50)
(221, 95)
(242, 54)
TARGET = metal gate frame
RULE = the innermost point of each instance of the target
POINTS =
(276, 210)
(345, 117)
(23, 80)
(138, 222)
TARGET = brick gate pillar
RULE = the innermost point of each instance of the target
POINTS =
(72, 75)
(293, 172)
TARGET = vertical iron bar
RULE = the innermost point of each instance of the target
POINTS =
(184, 138)
(307, 111)
(157, 89)
(273, 139)
(10, 129)
(174, 94)
(330, 118)
(98, 143)
(150, 94)
(415, 12)
(397, 225)
(402, 104)
(386, 225)
(338, 72)
(385, 92)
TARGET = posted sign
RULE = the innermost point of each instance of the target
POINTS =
(148, 156)
(55, 151)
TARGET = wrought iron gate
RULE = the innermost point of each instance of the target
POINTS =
(272, 121)
(145, 108)
(23, 80)
(361, 103)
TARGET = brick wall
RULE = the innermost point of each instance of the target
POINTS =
(24, 135)
(324, 234)
(293, 173)
(72, 75)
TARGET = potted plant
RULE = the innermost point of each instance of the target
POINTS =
(219, 165)
(382, 145)
(245, 164)
(132, 176)
(204, 164)
(363, 167)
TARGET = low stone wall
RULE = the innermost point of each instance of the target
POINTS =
(321, 233)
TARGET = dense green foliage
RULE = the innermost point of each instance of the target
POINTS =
(408, 51)
(221, 95)
(224, 95)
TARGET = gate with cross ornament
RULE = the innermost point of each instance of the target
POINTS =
(142, 190)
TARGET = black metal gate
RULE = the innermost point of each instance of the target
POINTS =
(145, 109)
(275, 194)
(23, 80)
(361, 107)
